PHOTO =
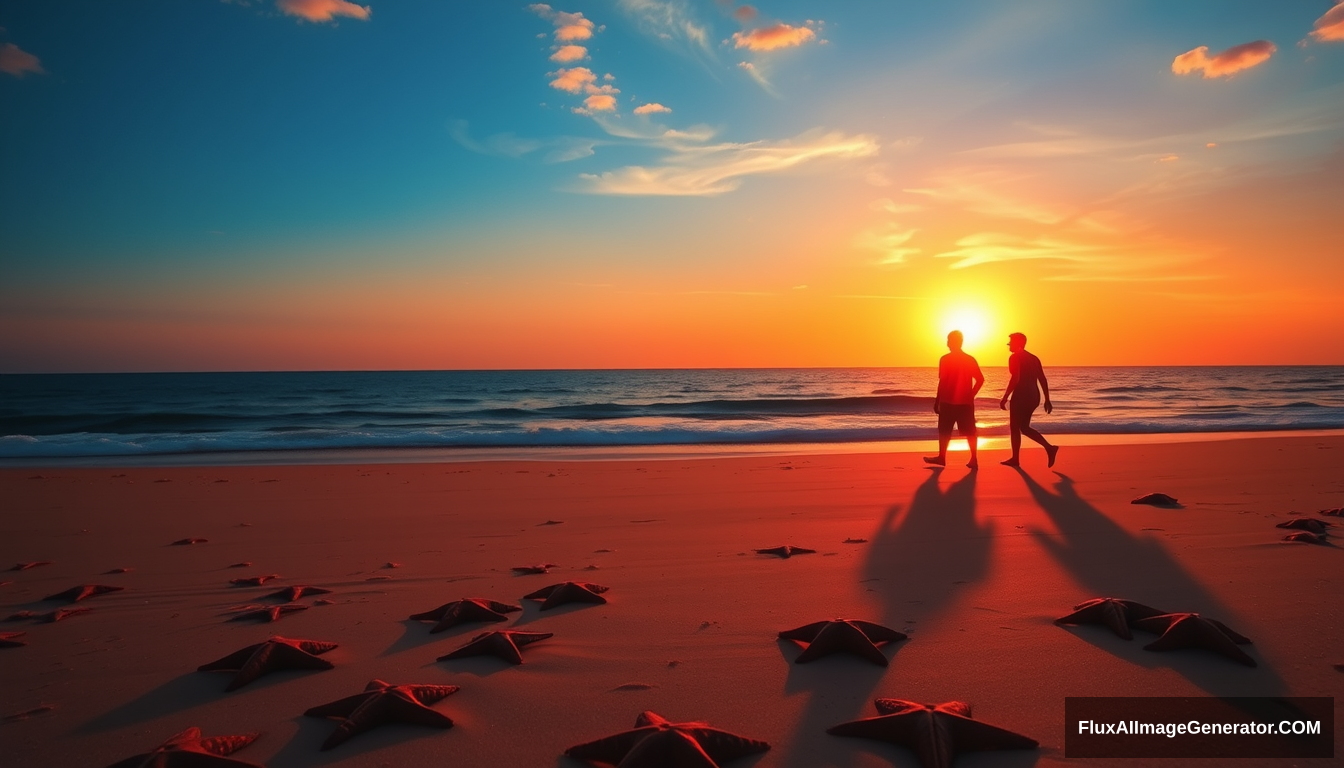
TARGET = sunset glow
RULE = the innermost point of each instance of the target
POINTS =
(665, 184)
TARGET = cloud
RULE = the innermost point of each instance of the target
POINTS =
(716, 169)
(745, 13)
(567, 53)
(891, 206)
(757, 75)
(990, 192)
(323, 10)
(668, 20)
(649, 109)
(600, 99)
(568, 26)
(1226, 63)
(889, 241)
(1330, 27)
(775, 36)
(498, 144)
(991, 247)
(18, 62)
(572, 80)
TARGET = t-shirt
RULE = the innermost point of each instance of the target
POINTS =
(957, 372)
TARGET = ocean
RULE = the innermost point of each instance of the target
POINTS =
(74, 416)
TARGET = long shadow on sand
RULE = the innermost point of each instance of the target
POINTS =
(1110, 562)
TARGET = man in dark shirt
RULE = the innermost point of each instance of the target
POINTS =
(1026, 373)
(959, 379)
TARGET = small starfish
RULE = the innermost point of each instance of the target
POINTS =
(568, 592)
(533, 569)
(275, 654)
(188, 750)
(270, 612)
(465, 610)
(1307, 536)
(842, 635)
(11, 639)
(50, 617)
(116, 571)
(936, 733)
(384, 703)
(254, 581)
(188, 542)
(1190, 630)
(1305, 524)
(32, 564)
(1113, 612)
(1334, 512)
(290, 594)
(502, 643)
(786, 551)
(75, 594)
(656, 741)
(1157, 500)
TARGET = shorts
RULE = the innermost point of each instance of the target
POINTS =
(963, 416)
(1021, 410)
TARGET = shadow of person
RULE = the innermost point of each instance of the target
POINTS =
(1110, 562)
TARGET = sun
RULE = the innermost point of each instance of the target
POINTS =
(974, 322)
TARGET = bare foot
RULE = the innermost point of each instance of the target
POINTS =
(1051, 451)
(1010, 463)
(973, 464)
(938, 461)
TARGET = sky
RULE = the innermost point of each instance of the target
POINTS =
(197, 185)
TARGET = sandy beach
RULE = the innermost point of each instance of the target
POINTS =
(974, 567)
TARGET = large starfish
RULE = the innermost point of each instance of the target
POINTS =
(11, 639)
(1115, 613)
(1305, 524)
(270, 656)
(533, 569)
(786, 551)
(465, 610)
(936, 733)
(656, 741)
(568, 592)
(254, 581)
(502, 643)
(1332, 512)
(1190, 630)
(75, 594)
(269, 613)
(1307, 536)
(36, 563)
(50, 617)
(384, 703)
(290, 594)
(842, 635)
(1156, 500)
(188, 750)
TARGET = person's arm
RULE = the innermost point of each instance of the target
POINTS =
(1045, 387)
(978, 378)
(938, 396)
(1014, 375)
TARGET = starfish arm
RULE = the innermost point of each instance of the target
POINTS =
(339, 708)
(667, 748)
(233, 661)
(434, 615)
(1231, 634)
(723, 746)
(404, 709)
(495, 605)
(611, 749)
(974, 736)
(227, 745)
(316, 646)
(649, 717)
(897, 706)
(430, 694)
(902, 728)
(1136, 611)
(806, 633)
(1195, 632)
(490, 643)
(527, 638)
(878, 633)
(842, 637)
(541, 594)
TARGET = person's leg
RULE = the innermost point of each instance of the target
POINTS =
(944, 437)
(1014, 439)
(968, 429)
(1050, 450)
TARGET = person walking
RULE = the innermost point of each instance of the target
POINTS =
(959, 379)
(1026, 373)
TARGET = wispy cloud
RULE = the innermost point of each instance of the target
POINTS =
(719, 168)
(650, 109)
(755, 73)
(992, 192)
(890, 241)
(773, 37)
(1225, 63)
(323, 10)
(670, 21)
(990, 247)
(508, 144)
(1330, 27)
(18, 62)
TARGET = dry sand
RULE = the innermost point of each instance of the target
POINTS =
(973, 566)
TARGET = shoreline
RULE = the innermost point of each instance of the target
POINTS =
(455, 455)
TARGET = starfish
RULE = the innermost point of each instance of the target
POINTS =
(1334, 512)
(269, 613)
(254, 581)
(848, 635)
(656, 741)
(36, 563)
(568, 592)
(936, 733)
(188, 750)
(50, 617)
(538, 568)
(1307, 536)
(1113, 612)
(1304, 524)
(188, 542)
(275, 654)
(11, 639)
(290, 594)
(384, 703)
(75, 594)
(786, 551)
(462, 611)
(501, 643)
(1157, 500)
(1190, 630)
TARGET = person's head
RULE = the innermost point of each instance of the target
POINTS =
(1017, 342)
(954, 340)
